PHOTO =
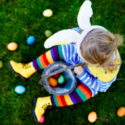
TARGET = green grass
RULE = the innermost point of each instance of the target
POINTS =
(21, 18)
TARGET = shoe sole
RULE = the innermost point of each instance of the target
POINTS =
(16, 72)
(36, 120)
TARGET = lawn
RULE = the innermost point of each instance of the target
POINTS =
(21, 18)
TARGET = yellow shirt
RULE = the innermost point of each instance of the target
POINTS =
(100, 72)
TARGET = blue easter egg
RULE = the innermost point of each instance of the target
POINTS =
(20, 89)
(30, 40)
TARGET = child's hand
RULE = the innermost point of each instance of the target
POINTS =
(78, 70)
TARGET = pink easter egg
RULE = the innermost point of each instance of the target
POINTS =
(42, 119)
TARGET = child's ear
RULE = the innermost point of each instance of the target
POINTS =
(84, 15)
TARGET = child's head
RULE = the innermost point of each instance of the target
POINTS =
(98, 47)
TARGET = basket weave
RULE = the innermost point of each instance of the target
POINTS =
(70, 79)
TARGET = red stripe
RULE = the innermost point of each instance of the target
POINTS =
(59, 100)
(42, 61)
(63, 100)
(84, 91)
(87, 89)
(45, 59)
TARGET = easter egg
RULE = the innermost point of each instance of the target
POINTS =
(42, 119)
(92, 117)
(30, 40)
(48, 33)
(20, 89)
(121, 112)
(52, 82)
(61, 79)
(12, 46)
(1, 64)
(56, 76)
(47, 13)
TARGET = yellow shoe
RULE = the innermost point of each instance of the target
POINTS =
(40, 105)
(24, 70)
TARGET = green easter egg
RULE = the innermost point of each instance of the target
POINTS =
(48, 33)
(1, 64)
(61, 79)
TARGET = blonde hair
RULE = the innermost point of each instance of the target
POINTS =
(98, 48)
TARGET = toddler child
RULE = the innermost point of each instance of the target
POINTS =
(94, 45)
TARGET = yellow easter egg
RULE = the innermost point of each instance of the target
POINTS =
(121, 112)
(47, 13)
(48, 33)
(92, 117)
(12, 46)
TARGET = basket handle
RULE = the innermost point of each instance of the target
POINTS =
(60, 70)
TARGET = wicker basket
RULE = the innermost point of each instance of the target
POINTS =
(70, 80)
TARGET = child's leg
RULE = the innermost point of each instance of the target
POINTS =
(26, 70)
(79, 95)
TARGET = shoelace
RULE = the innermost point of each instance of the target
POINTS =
(25, 66)
(45, 105)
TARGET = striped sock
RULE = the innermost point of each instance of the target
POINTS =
(55, 54)
(81, 94)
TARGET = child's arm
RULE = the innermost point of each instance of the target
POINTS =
(89, 87)
(92, 82)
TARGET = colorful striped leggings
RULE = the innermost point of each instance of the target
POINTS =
(80, 94)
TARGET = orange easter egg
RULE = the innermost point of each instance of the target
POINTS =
(52, 82)
(121, 112)
(12, 46)
(92, 117)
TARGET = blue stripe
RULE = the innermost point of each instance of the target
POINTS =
(97, 88)
(65, 51)
(72, 98)
(96, 85)
(69, 54)
(87, 76)
(89, 80)
(71, 50)
(52, 53)
(93, 82)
